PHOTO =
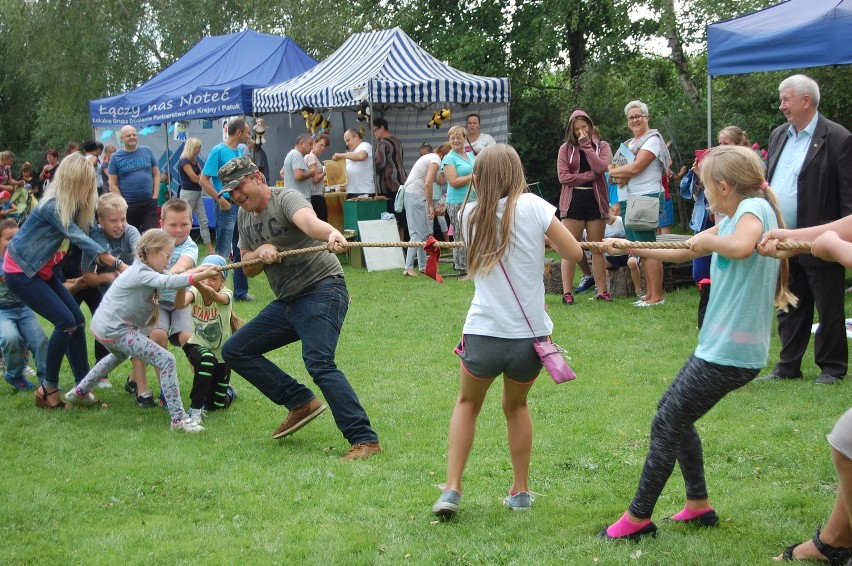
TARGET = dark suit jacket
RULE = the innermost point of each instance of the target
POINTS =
(825, 179)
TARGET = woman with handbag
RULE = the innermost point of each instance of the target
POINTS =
(584, 200)
(504, 230)
(639, 183)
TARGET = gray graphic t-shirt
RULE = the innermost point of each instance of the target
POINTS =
(275, 226)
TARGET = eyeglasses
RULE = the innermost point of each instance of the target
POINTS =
(636, 117)
(167, 256)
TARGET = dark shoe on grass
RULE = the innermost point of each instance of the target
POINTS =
(826, 379)
(131, 387)
(297, 418)
(244, 298)
(146, 402)
(778, 377)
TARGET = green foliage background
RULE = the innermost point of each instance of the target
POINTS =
(56, 55)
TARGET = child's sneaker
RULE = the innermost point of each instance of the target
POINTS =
(568, 299)
(81, 398)
(520, 501)
(586, 283)
(131, 387)
(20, 384)
(30, 372)
(448, 504)
(186, 425)
(196, 415)
(146, 401)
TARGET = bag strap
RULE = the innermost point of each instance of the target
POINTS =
(512, 287)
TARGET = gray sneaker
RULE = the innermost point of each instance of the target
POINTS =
(521, 501)
(448, 504)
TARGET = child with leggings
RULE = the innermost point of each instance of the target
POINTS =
(731, 349)
(129, 305)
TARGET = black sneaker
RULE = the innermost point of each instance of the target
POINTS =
(244, 298)
(146, 402)
(777, 377)
(131, 387)
(826, 379)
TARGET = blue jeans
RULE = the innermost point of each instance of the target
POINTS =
(19, 329)
(53, 302)
(315, 317)
(241, 286)
(227, 237)
(226, 222)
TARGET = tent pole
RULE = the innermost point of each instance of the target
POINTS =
(709, 111)
(168, 158)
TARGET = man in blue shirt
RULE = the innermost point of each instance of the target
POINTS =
(226, 212)
(135, 175)
(809, 170)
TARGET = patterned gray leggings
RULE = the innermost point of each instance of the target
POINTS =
(134, 344)
(697, 388)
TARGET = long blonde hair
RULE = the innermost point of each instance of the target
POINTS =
(74, 190)
(499, 174)
(742, 170)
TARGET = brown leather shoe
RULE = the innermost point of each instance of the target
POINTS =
(45, 399)
(298, 418)
(362, 451)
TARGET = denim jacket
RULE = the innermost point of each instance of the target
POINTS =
(699, 211)
(42, 235)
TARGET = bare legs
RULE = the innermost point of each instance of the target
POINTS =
(654, 279)
(837, 531)
(463, 427)
(594, 233)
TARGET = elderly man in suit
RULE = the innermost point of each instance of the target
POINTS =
(810, 169)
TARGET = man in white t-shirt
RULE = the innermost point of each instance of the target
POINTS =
(295, 172)
(359, 165)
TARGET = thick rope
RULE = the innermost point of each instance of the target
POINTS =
(593, 246)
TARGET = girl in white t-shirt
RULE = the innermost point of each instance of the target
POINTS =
(504, 229)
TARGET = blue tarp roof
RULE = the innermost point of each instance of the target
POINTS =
(789, 35)
(382, 67)
(215, 78)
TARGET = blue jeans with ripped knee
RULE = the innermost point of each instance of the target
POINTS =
(54, 302)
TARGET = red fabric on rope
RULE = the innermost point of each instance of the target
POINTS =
(432, 263)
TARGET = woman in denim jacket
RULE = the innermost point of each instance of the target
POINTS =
(62, 218)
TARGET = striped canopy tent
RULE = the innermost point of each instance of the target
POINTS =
(400, 82)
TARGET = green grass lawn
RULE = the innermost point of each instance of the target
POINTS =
(115, 486)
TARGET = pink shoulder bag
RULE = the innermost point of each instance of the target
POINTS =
(551, 354)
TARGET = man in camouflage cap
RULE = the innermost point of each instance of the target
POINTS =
(272, 220)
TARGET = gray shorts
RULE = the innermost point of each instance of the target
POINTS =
(486, 357)
(841, 437)
(171, 320)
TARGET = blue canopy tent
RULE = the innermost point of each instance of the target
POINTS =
(215, 78)
(792, 34)
(399, 81)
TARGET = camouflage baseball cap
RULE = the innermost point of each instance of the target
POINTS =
(233, 171)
